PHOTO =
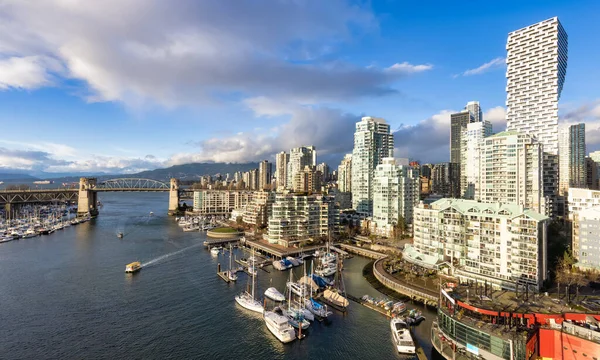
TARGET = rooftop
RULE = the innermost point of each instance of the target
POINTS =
(497, 209)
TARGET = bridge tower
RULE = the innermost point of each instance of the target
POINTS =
(174, 197)
(88, 197)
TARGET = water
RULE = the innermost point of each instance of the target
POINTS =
(66, 295)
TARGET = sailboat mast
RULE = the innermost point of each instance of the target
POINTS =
(253, 271)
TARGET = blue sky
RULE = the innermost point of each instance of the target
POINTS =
(128, 86)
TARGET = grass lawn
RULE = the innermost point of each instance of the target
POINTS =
(224, 230)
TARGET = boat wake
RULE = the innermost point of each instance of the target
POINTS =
(166, 256)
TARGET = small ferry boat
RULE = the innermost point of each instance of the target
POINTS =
(402, 338)
(120, 235)
(133, 267)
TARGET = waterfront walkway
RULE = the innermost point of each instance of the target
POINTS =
(420, 294)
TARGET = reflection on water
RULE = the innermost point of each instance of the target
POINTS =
(66, 295)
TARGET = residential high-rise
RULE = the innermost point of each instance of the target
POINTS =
(298, 218)
(281, 162)
(445, 180)
(299, 158)
(511, 171)
(306, 180)
(571, 155)
(265, 173)
(503, 245)
(372, 143)
(591, 171)
(323, 168)
(475, 110)
(395, 194)
(470, 156)
(536, 69)
(344, 176)
(253, 179)
(579, 200)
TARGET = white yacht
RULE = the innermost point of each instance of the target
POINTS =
(274, 294)
(215, 251)
(402, 338)
(279, 326)
(327, 270)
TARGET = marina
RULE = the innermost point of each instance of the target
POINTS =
(178, 277)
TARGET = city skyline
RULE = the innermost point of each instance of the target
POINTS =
(328, 77)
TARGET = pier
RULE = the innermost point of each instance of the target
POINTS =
(361, 251)
(279, 251)
(214, 242)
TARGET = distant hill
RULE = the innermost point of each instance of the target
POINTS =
(16, 176)
(190, 172)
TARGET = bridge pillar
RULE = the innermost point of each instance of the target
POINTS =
(174, 197)
(88, 197)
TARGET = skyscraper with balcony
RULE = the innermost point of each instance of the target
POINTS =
(571, 158)
(299, 158)
(458, 125)
(344, 178)
(511, 170)
(536, 69)
(470, 169)
(372, 143)
(265, 173)
(281, 163)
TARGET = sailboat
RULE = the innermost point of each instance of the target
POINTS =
(231, 274)
(295, 317)
(335, 297)
(247, 300)
(315, 307)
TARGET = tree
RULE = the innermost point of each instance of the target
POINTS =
(239, 220)
(565, 274)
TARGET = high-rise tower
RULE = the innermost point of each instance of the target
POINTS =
(536, 69)
(372, 143)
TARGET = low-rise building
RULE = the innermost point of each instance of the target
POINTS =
(502, 245)
(297, 218)
(578, 200)
(259, 209)
(220, 202)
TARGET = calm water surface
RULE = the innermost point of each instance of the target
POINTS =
(66, 296)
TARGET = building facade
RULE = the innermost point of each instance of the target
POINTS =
(281, 163)
(307, 180)
(297, 219)
(299, 158)
(591, 174)
(372, 143)
(572, 152)
(265, 174)
(257, 212)
(511, 171)
(579, 200)
(445, 180)
(536, 70)
(344, 175)
(220, 202)
(470, 156)
(503, 245)
(395, 194)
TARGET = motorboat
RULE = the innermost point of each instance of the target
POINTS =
(273, 294)
(293, 261)
(402, 338)
(279, 326)
(252, 270)
(29, 233)
(231, 275)
(215, 251)
(133, 267)
(120, 235)
(327, 270)
(336, 300)
(414, 317)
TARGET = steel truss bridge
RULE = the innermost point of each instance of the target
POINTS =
(72, 194)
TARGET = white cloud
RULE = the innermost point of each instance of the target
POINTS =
(193, 52)
(497, 116)
(407, 68)
(426, 141)
(496, 63)
(588, 113)
(28, 72)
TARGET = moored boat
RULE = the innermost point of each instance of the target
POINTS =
(402, 338)
(273, 294)
(279, 326)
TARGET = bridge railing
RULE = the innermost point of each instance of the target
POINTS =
(133, 184)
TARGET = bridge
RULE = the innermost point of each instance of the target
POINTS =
(86, 194)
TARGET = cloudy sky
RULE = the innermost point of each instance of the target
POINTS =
(123, 86)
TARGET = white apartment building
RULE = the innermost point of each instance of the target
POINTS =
(220, 202)
(501, 244)
(579, 200)
(589, 234)
(571, 158)
(299, 158)
(511, 171)
(372, 143)
(296, 219)
(257, 212)
(470, 156)
(344, 180)
(395, 194)
(281, 163)
(536, 69)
